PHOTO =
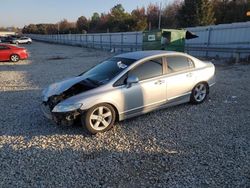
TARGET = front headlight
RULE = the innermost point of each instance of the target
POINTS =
(66, 107)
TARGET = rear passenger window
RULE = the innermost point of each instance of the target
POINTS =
(179, 63)
(148, 69)
(3, 48)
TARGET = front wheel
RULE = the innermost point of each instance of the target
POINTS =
(14, 58)
(99, 118)
(199, 93)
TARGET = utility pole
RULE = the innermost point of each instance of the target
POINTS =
(149, 26)
(159, 24)
(58, 28)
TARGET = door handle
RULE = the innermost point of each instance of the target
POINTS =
(189, 74)
(159, 82)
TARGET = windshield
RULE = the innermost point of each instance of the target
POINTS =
(107, 70)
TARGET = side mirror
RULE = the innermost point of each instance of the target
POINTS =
(132, 80)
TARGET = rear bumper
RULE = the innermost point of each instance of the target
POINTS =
(211, 81)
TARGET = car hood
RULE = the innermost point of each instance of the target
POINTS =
(59, 87)
(85, 95)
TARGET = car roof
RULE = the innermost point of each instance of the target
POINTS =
(143, 54)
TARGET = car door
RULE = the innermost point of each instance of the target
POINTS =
(21, 40)
(25, 40)
(180, 76)
(4, 53)
(149, 92)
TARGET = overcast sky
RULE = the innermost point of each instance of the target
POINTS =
(23, 12)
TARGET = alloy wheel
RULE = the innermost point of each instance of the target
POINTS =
(200, 92)
(100, 118)
(14, 58)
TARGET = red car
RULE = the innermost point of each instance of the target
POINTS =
(12, 53)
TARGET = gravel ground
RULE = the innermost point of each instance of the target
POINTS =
(205, 145)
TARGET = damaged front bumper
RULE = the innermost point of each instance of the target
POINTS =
(60, 118)
(46, 111)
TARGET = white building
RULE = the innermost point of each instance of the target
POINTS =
(6, 33)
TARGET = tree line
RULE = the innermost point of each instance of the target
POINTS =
(179, 14)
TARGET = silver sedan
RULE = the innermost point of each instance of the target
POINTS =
(128, 85)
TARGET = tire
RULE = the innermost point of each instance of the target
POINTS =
(99, 118)
(29, 42)
(199, 93)
(14, 58)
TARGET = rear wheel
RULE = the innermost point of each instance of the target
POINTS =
(199, 93)
(14, 58)
(99, 118)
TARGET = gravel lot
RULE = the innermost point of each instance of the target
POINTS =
(205, 145)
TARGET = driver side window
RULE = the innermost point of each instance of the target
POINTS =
(149, 69)
(121, 81)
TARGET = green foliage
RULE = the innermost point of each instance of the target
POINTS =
(51, 29)
(94, 22)
(140, 19)
(82, 24)
(179, 14)
(170, 15)
(118, 11)
(95, 17)
(32, 28)
(231, 11)
(205, 13)
(187, 16)
(66, 27)
(119, 20)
